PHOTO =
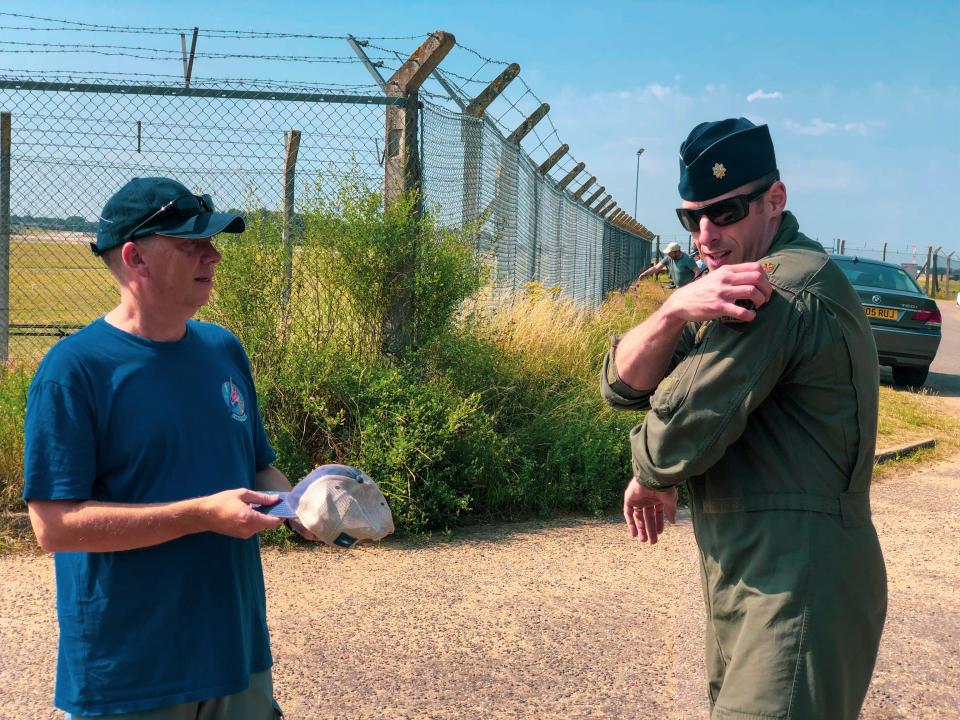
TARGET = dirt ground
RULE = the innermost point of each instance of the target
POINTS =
(559, 619)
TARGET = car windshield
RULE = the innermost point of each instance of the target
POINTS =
(878, 276)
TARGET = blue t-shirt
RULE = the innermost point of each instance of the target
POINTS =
(682, 270)
(115, 417)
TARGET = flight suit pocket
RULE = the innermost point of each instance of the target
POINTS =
(675, 387)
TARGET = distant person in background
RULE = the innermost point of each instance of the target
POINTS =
(699, 261)
(144, 453)
(680, 266)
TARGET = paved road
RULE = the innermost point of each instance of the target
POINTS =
(945, 371)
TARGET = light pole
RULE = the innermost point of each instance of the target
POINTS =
(636, 187)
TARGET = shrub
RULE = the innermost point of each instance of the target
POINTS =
(14, 382)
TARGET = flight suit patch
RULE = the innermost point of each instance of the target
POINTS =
(668, 383)
(701, 333)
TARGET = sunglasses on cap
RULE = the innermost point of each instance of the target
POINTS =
(177, 211)
(723, 212)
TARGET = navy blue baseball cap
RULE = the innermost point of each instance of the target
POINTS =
(160, 206)
(720, 156)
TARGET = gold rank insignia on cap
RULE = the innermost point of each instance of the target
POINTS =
(769, 267)
(719, 171)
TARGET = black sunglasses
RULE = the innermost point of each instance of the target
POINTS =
(176, 211)
(723, 212)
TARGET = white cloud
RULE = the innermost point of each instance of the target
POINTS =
(816, 127)
(857, 127)
(761, 95)
(660, 92)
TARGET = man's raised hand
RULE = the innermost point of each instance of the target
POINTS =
(716, 294)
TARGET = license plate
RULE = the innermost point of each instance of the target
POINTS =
(882, 313)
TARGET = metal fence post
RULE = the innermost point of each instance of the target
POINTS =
(289, 176)
(884, 252)
(929, 265)
(4, 236)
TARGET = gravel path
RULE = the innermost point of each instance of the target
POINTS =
(559, 619)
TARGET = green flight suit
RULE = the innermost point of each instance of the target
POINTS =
(772, 424)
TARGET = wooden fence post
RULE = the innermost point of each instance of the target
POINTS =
(289, 176)
(949, 277)
(568, 178)
(589, 201)
(5, 122)
(602, 205)
(553, 159)
(936, 269)
(583, 188)
(472, 136)
(527, 125)
(929, 266)
(884, 252)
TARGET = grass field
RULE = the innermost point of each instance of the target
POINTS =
(55, 281)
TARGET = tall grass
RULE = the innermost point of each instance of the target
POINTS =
(14, 381)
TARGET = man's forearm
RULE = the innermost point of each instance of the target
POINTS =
(643, 354)
(650, 271)
(93, 526)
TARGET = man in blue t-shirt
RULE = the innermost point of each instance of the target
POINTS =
(144, 453)
(681, 268)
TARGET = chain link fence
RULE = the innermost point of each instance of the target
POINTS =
(72, 145)
(532, 231)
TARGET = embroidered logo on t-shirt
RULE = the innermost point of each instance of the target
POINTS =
(234, 400)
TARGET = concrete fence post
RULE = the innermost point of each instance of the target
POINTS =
(402, 174)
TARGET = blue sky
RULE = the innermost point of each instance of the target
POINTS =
(862, 98)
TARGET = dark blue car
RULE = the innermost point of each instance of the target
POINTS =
(905, 321)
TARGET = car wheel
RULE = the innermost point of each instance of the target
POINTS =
(910, 377)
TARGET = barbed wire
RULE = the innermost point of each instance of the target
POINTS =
(99, 50)
(78, 26)
(159, 169)
(482, 57)
(277, 133)
(258, 130)
(121, 77)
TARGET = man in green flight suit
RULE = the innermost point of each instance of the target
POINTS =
(680, 266)
(761, 380)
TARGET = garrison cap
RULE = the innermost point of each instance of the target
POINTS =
(722, 155)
